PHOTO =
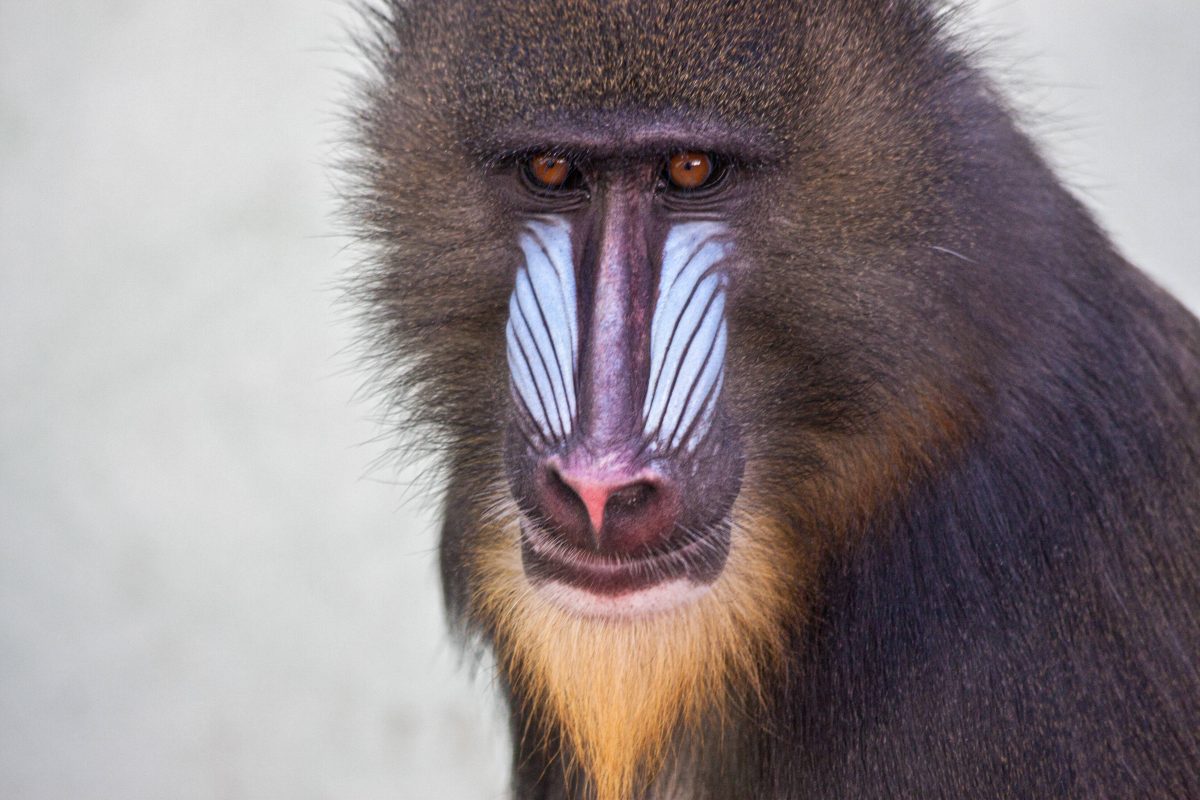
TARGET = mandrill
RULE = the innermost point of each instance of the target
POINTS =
(802, 436)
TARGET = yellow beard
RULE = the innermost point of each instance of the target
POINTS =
(621, 689)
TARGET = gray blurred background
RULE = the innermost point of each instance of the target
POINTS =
(206, 588)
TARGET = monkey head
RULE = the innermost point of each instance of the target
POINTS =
(676, 293)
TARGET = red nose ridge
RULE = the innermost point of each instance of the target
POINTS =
(606, 506)
(594, 494)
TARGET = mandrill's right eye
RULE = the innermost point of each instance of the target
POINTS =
(546, 172)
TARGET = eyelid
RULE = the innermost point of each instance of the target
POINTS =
(569, 183)
(717, 181)
(571, 193)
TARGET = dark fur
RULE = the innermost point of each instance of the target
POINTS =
(1010, 609)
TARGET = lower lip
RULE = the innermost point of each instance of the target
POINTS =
(605, 590)
(643, 602)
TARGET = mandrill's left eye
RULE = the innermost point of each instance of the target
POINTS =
(692, 172)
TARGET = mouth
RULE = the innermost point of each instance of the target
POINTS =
(592, 584)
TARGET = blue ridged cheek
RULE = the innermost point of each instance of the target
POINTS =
(688, 336)
(543, 328)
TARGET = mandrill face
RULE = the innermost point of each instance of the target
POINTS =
(678, 301)
(620, 455)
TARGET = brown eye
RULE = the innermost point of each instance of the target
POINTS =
(549, 172)
(689, 170)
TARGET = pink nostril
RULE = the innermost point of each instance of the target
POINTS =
(597, 495)
(618, 511)
(594, 496)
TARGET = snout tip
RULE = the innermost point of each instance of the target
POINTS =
(613, 508)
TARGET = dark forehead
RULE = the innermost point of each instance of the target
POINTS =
(734, 68)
